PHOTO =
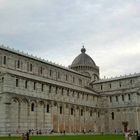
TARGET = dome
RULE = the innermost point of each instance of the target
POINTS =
(83, 60)
(84, 64)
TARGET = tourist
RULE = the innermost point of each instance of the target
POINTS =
(23, 136)
(126, 135)
(138, 137)
(130, 135)
(27, 136)
(136, 132)
(64, 132)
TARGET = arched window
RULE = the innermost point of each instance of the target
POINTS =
(48, 108)
(32, 107)
(4, 60)
(112, 115)
(122, 97)
(81, 112)
(2, 79)
(17, 82)
(34, 85)
(120, 83)
(110, 85)
(50, 72)
(129, 97)
(101, 87)
(31, 67)
(131, 82)
(18, 64)
(26, 84)
(71, 111)
(90, 113)
(116, 98)
(60, 109)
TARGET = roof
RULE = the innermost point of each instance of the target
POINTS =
(39, 59)
(83, 60)
(117, 78)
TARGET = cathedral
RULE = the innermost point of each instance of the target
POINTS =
(36, 94)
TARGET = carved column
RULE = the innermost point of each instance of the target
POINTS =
(64, 114)
(57, 115)
(28, 114)
(36, 109)
(69, 116)
(74, 119)
(52, 123)
(80, 123)
(19, 108)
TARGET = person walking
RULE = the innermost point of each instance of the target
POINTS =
(138, 137)
(27, 136)
(126, 135)
(130, 136)
(23, 136)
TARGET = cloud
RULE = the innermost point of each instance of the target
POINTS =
(55, 30)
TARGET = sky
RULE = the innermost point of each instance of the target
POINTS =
(56, 30)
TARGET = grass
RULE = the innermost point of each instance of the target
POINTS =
(81, 137)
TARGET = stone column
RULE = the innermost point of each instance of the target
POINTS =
(55, 116)
(80, 118)
(28, 114)
(58, 113)
(69, 116)
(84, 114)
(5, 116)
(44, 116)
(137, 118)
(19, 112)
(52, 104)
(64, 109)
(74, 119)
(36, 109)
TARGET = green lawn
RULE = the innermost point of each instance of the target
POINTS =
(81, 137)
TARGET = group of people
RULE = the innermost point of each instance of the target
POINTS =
(128, 135)
(25, 136)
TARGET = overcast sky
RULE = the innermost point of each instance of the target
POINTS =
(56, 29)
